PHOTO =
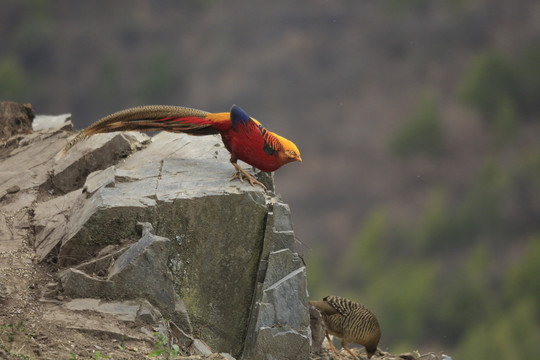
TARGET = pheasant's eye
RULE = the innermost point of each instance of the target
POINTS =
(292, 152)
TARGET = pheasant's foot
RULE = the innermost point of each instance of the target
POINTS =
(238, 175)
(241, 173)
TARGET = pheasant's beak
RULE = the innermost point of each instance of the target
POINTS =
(298, 158)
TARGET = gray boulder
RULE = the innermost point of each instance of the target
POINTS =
(280, 324)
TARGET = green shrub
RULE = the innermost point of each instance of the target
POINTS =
(13, 81)
(512, 335)
(421, 133)
(481, 210)
(366, 252)
(521, 279)
(503, 90)
(528, 75)
(505, 120)
(434, 231)
(489, 80)
(526, 191)
(467, 297)
(403, 293)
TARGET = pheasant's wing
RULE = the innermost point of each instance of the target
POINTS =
(253, 131)
(342, 305)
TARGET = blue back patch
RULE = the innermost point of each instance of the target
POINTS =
(239, 117)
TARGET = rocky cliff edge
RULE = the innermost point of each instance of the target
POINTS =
(144, 241)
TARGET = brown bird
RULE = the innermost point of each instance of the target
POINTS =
(351, 322)
(244, 137)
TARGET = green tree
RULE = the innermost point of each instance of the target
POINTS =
(468, 298)
(481, 210)
(421, 133)
(505, 120)
(366, 252)
(435, 228)
(489, 80)
(503, 90)
(404, 295)
(512, 335)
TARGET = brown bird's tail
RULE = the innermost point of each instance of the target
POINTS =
(149, 118)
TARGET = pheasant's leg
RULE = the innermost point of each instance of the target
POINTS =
(349, 350)
(237, 174)
(331, 344)
(243, 172)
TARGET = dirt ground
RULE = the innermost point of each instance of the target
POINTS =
(327, 354)
(34, 326)
(26, 332)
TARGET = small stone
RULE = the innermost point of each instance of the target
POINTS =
(200, 348)
(227, 356)
(62, 122)
(13, 189)
(99, 179)
(144, 227)
(148, 313)
(147, 332)
(317, 329)
(181, 338)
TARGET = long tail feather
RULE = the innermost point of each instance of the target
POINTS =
(149, 118)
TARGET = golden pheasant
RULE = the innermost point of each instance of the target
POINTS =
(244, 137)
(351, 322)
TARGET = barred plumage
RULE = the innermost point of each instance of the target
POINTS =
(350, 321)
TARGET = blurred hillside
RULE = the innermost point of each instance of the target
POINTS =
(418, 122)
